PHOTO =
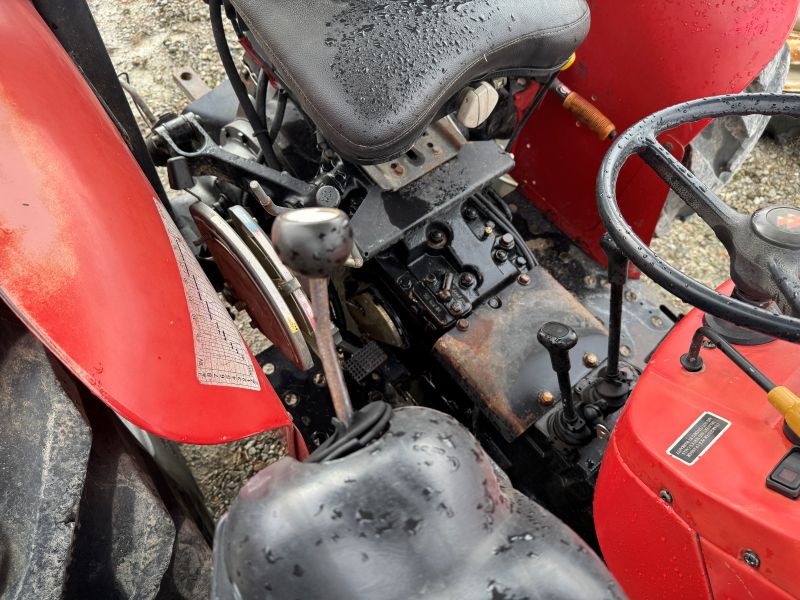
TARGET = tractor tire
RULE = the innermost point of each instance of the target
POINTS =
(721, 148)
(84, 511)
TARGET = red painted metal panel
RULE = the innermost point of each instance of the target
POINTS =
(731, 579)
(651, 551)
(722, 496)
(641, 56)
(85, 260)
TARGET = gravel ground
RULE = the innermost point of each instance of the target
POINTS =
(148, 39)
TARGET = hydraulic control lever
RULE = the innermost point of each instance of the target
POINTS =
(313, 242)
(568, 425)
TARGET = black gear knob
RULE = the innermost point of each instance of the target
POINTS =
(558, 339)
(313, 241)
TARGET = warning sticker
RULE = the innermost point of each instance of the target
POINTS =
(220, 353)
(701, 435)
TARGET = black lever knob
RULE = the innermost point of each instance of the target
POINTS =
(558, 339)
(313, 241)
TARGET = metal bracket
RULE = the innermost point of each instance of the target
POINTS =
(438, 143)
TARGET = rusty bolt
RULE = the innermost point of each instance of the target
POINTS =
(398, 169)
(443, 295)
(319, 380)
(524, 279)
(456, 308)
(462, 324)
(545, 397)
(291, 399)
(590, 360)
(467, 279)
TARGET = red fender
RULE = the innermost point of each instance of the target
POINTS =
(86, 262)
(638, 58)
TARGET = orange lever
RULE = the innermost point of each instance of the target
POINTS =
(586, 112)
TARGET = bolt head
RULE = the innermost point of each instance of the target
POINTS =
(462, 324)
(590, 360)
(751, 559)
(291, 399)
(665, 496)
(494, 302)
(545, 397)
(524, 279)
(268, 368)
(500, 255)
(625, 350)
(467, 279)
(319, 379)
(456, 308)
(630, 296)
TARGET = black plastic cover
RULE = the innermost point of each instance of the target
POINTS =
(421, 513)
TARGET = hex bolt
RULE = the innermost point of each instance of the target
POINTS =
(751, 559)
(545, 397)
(521, 261)
(268, 368)
(437, 236)
(500, 255)
(319, 380)
(524, 279)
(665, 496)
(507, 241)
(466, 280)
(590, 360)
(470, 214)
(462, 324)
(291, 399)
(456, 308)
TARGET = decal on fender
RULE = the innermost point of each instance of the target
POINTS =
(698, 438)
(220, 353)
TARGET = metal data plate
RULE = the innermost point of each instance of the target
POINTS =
(252, 285)
(439, 143)
(259, 243)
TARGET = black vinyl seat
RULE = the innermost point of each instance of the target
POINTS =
(372, 74)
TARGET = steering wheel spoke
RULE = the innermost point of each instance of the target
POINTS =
(718, 215)
(788, 284)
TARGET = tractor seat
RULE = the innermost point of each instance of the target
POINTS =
(373, 74)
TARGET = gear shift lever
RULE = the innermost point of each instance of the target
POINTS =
(313, 242)
(558, 339)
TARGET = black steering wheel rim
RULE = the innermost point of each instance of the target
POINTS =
(641, 136)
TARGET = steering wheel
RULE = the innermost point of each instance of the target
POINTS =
(764, 247)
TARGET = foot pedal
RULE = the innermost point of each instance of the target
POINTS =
(364, 361)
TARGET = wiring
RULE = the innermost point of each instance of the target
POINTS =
(259, 128)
